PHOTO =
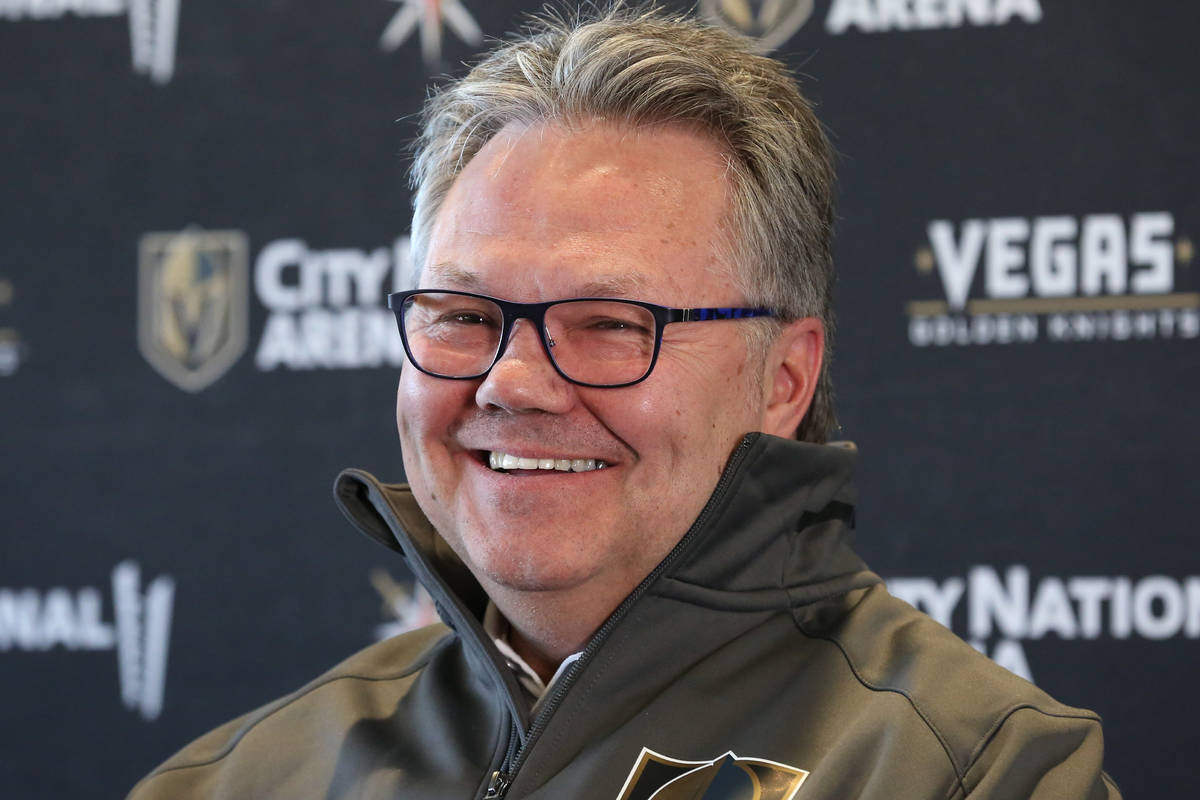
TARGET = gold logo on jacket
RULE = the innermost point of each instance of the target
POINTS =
(727, 777)
(192, 304)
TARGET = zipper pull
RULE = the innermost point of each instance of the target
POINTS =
(497, 786)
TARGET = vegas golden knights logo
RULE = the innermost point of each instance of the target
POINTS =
(657, 777)
(769, 22)
(192, 304)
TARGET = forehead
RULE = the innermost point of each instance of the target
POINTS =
(602, 206)
(598, 283)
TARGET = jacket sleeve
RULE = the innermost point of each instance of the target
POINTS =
(196, 770)
(1042, 756)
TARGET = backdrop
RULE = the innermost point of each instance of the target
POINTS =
(203, 205)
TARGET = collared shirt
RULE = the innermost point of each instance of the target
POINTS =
(498, 628)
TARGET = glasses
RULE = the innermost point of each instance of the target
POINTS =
(591, 341)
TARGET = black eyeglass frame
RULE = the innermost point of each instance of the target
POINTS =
(536, 313)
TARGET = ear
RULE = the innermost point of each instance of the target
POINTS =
(790, 378)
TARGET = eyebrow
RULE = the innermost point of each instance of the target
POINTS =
(629, 285)
(626, 285)
(453, 274)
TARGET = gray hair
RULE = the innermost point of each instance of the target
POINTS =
(643, 66)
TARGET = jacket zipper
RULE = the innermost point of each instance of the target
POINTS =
(498, 784)
(502, 778)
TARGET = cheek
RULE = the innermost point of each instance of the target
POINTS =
(405, 406)
(406, 426)
(666, 429)
(408, 413)
(697, 425)
(426, 409)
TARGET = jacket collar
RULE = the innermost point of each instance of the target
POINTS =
(773, 535)
(781, 518)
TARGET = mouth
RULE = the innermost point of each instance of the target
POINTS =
(506, 462)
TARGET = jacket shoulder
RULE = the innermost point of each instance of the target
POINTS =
(989, 721)
(387, 667)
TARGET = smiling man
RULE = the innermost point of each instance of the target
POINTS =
(612, 421)
(549, 210)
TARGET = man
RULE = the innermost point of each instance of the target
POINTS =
(622, 231)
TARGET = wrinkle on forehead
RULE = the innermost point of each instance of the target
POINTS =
(623, 285)
(454, 276)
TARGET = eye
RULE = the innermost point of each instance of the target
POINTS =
(466, 318)
(610, 324)
(469, 317)
(615, 324)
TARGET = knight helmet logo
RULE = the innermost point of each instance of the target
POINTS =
(192, 304)
(728, 777)
(769, 22)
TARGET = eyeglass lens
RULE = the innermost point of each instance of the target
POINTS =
(602, 342)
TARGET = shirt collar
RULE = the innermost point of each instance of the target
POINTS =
(498, 628)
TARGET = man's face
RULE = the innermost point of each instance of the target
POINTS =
(545, 213)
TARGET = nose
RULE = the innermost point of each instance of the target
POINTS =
(523, 379)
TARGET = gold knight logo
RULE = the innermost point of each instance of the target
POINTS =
(192, 304)
(769, 22)
(728, 777)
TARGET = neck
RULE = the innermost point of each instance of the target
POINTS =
(546, 627)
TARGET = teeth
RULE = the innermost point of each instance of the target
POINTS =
(498, 461)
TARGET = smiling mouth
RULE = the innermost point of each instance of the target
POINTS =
(505, 462)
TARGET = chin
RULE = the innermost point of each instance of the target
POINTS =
(539, 572)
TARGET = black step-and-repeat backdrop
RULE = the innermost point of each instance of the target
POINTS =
(203, 205)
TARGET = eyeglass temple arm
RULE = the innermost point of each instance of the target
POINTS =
(723, 312)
